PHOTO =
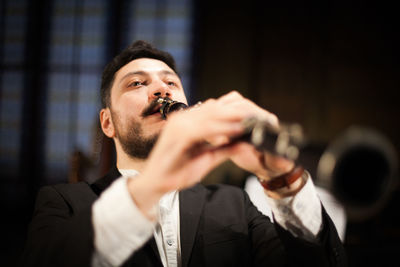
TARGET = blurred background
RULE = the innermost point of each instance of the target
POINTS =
(327, 66)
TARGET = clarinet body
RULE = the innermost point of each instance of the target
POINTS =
(285, 141)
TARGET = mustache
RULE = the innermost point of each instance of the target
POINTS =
(152, 108)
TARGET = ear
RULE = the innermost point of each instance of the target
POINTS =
(106, 122)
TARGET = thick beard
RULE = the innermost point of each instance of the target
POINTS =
(135, 144)
(132, 140)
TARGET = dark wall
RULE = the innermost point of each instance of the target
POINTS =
(327, 66)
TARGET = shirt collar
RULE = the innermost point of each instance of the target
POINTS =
(166, 202)
(128, 172)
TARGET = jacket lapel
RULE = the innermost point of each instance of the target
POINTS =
(101, 184)
(191, 202)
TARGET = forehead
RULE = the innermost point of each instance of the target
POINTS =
(146, 65)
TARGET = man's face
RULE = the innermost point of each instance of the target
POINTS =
(135, 86)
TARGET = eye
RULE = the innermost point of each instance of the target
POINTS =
(171, 83)
(135, 84)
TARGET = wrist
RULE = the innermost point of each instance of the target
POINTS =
(292, 190)
(145, 196)
(287, 184)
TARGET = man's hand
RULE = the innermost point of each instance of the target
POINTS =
(264, 165)
(185, 151)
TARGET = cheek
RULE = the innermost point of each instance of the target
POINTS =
(132, 104)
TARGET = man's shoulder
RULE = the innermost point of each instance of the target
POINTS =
(76, 195)
(67, 188)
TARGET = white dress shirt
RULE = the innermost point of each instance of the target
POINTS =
(166, 233)
(120, 228)
(335, 210)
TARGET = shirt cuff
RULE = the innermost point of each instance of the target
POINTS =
(119, 227)
(300, 214)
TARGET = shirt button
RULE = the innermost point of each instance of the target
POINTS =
(285, 210)
(170, 242)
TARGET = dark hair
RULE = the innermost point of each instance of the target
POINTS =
(138, 49)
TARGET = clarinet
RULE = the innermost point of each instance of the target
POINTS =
(286, 141)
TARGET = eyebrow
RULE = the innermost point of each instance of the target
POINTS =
(140, 72)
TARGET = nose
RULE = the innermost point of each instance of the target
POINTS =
(160, 89)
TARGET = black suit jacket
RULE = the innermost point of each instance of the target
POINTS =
(219, 226)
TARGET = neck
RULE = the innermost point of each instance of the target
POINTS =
(126, 162)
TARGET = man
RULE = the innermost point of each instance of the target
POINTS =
(156, 213)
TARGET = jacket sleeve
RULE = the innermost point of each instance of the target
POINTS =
(60, 233)
(288, 250)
